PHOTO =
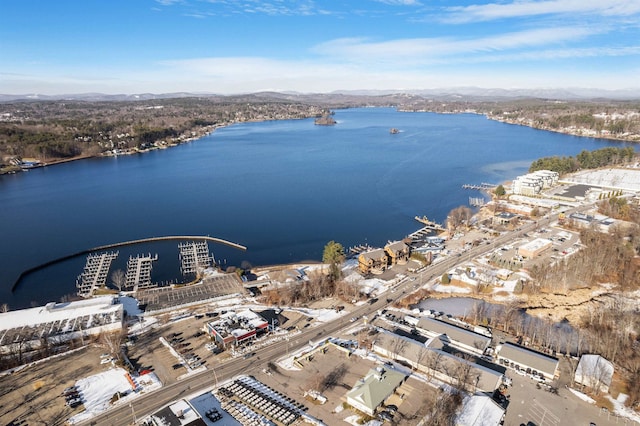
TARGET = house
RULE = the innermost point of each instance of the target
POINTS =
(465, 339)
(527, 360)
(398, 252)
(594, 372)
(373, 389)
(374, 261)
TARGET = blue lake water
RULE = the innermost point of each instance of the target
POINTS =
(281, 188)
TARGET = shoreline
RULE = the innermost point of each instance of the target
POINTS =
(207, 132)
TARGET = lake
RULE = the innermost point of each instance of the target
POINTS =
(281, 188)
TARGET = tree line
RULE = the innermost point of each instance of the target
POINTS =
(585, 160)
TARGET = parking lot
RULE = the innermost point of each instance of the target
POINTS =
(530, 403)
(34, 395)
(336, 373)
(149, 351)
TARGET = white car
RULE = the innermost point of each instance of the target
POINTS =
(106, 360)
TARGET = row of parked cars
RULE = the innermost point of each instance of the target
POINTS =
(185, 350)
(72, 396)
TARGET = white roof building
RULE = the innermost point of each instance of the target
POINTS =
(64, 321)
(594, 372)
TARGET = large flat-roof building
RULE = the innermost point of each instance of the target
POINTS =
(534, 248)
(60, 321)
(236, 328)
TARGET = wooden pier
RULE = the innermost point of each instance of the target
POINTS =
(429, 224)
(356, 250)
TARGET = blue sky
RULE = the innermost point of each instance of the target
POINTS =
(241, 46)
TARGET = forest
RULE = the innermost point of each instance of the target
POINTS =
(603, 157)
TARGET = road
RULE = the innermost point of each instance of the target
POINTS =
(147, 404)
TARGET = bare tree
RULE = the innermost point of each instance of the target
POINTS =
(4, 308)
(118, 279)
(398, 346)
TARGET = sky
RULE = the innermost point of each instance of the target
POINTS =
(315, 46)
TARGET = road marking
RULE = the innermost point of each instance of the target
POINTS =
(542, 415)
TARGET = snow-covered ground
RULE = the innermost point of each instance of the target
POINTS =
(98, 390)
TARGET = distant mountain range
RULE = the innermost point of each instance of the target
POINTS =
(454, 93)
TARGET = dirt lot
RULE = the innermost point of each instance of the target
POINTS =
(33, 395)
(346, 372)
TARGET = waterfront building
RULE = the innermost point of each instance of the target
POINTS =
(373, 261)
(532, 183)
(398, 252)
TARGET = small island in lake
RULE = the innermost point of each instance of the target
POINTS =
(325, 120)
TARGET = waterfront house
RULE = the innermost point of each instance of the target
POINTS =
(374, 261)
(398, 252)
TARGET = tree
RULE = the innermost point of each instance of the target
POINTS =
(118, 279)
(333, 255)
(459, 216)
(500, 191)
(445, 278)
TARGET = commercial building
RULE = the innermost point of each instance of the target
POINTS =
(527, 360)
(443, 362)
(534, 248)
(462, 338)
(373, 389)
(236, 328)
(59, 322)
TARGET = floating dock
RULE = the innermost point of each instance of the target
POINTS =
(138, 274)
(481, 187)
(194, 256)
(429, 224)
(94, 274)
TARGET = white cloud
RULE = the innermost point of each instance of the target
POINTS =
(492, 11)
(425, 50)
(400, 2)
